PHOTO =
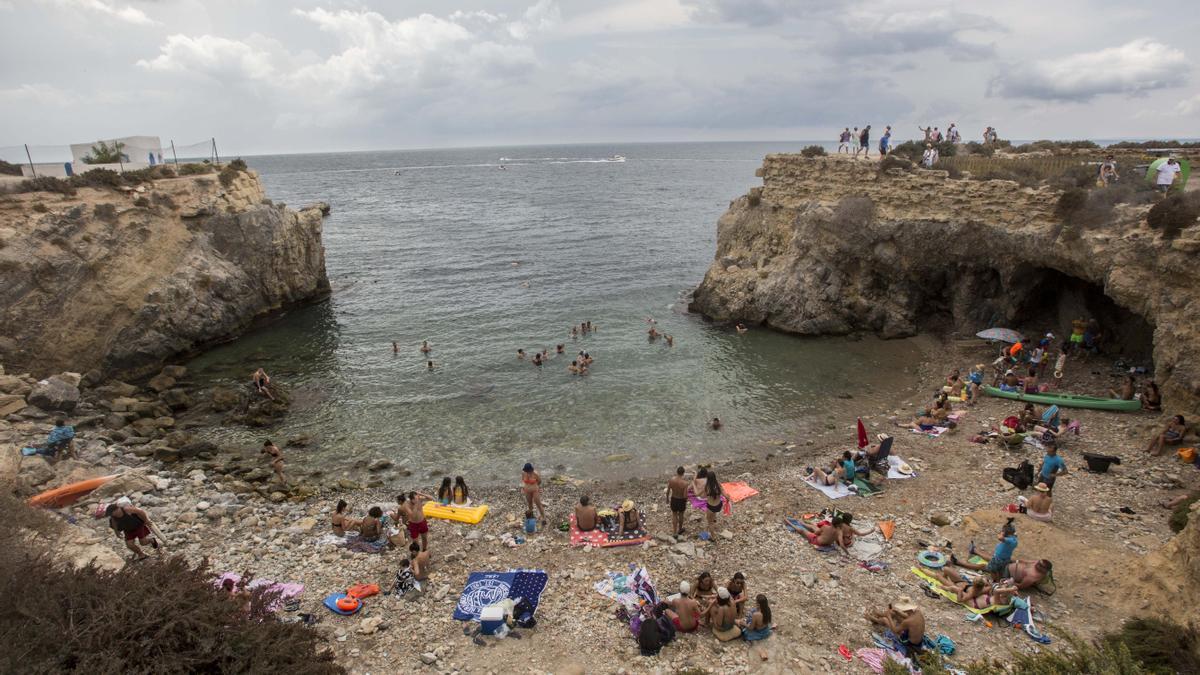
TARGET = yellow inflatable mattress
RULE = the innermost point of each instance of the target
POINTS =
(462, 514)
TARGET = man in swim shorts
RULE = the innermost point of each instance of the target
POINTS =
(134, 525)
(685, 610)
(905, 621)
(417, 525)
(677, 495)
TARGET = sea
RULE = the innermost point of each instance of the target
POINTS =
(485, 251)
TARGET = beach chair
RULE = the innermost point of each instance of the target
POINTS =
(880, 461)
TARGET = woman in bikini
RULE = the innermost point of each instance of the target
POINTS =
(462, 496)
(714, 499)
(1172, 435)
(1151, 398)
(704, 592)
(700, 481)
(737, 591)
(531, 487)
(445, 493)
(340, 521)
(758, 625)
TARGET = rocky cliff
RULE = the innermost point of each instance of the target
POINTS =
(120, 281)
(834, 246)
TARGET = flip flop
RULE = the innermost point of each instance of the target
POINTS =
(845, 652)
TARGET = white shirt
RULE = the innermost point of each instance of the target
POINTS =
(1166, 173)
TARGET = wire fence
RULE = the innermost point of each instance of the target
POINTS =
(117, 154)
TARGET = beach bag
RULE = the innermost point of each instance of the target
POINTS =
(523, 613)
(1020, 476)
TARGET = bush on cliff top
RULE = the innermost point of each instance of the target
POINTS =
(913, 151)
(1177, 211)
(9, 169)
(160, 615)
(1146, 145)
(813, 151)
(1057, 147)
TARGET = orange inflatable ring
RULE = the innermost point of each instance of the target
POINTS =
(347, 604)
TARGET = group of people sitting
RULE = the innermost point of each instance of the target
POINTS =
(854, 465)
(725, 610)
(626, 519)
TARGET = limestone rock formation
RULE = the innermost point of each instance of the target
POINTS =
(831, 246)
(96, 281)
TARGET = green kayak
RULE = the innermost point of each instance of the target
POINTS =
(1068, 400)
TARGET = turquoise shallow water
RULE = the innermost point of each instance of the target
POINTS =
(421, 245)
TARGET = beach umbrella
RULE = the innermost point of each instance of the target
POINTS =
(862, 435)
(1002, 334)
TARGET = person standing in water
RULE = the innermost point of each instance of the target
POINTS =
(276, 455)
(677, 498)
(262, 383)
(531, 487)
(425, 348)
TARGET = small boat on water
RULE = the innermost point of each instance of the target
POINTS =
(617, 158)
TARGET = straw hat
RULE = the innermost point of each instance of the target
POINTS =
(904, 468)
(626, 505)
(1041, 487)
(904, 604)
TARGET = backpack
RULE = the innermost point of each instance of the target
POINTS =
(1020, 476)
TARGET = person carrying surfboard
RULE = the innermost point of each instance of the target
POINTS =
(134, 525)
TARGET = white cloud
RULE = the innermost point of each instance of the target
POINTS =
(214, 56)
(38, 94)
(1136, 67)
(1188, 106)
(127, 13)
(537, 19)
(869, 33)
(754, 12)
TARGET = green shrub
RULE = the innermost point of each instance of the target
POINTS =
(1055, 147)
(240, 165)
(148, 174)
(1179, 515)
(102, 153)
(1146, 145)
(813, 151)
(105, 212)
(227, 176)
(891, 161)
(98, 178)
(46, 184)
(7, 169)
(158, 616)
(1160, 646)
(194, 169)
(977, 148)
(1177, 211)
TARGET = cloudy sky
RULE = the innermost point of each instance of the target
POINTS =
(319, 75)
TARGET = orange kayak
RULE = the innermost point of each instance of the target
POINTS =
(67, 494)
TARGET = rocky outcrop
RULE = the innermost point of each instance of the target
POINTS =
(120, 283)
(833, 246)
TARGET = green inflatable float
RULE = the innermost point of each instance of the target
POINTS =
(1185, 170)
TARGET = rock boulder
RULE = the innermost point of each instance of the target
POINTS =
(54, 393)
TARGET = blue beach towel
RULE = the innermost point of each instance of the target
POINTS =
(330, 602)
(488, 588)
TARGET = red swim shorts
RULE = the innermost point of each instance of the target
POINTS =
(417, 529)
(675, 620)
(140, 533)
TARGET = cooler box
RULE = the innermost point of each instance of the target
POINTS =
(491, 619)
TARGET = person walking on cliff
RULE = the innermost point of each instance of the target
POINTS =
(864, 139)
(844, 141)
(885, 142)
(855, 139)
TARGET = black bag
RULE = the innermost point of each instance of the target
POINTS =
(1020, 476)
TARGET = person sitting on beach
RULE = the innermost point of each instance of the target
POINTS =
(924, 422)
(1010, 382)
(445, 492)
(276, 455)
(1125, 392)
(741, 328)
(420, 561)
(60, 440)
(1151, 398)
(842, 522)
(1031, 381)
(649, 636)
(758, 625)
(704, 591)
(372, 537)
(425, 348)
(715, 424)
(462, 496)
(997, 566)
(1172, 435)
(628, 519)
(1038, 506)
(685, 611)
(406, 581)
(339, 520)
(941, 410)
(1028, 573)
(400, 515)
(722, 617)
(1028, 419)
(262, 383)
(586, 517)
(821, 534)
(832, 476)
(905, 621)
(531, 487)
(737, 591)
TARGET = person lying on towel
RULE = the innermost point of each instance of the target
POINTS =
(905, 621)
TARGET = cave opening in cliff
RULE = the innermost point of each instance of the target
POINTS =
(1052, 299)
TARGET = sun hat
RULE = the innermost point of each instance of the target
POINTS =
(1041, 487)
(904, 604)
(904, 468)
(722, 592)
(626, 505)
